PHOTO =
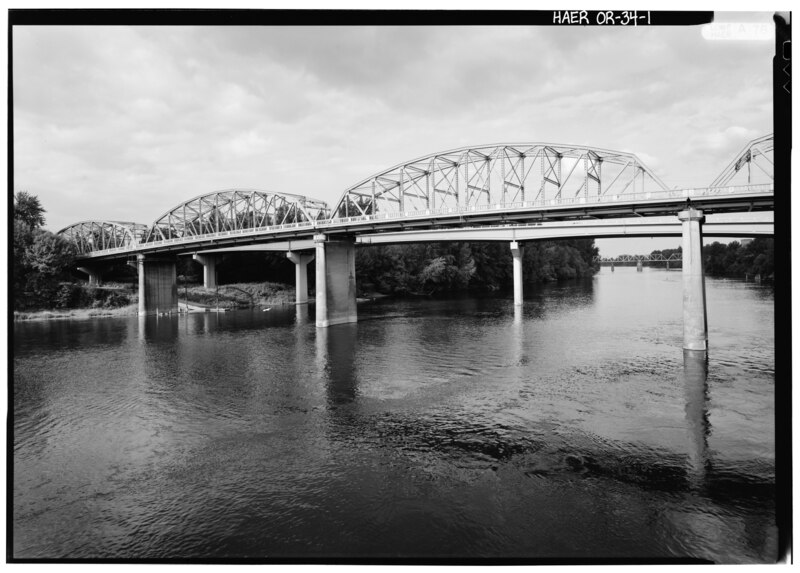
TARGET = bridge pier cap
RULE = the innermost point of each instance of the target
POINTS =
(691, 214)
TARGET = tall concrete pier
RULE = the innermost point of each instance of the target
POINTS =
(158, 286)
(209, 263)
(695, 326)
(336, 281)
(300, 275)
(516, 254)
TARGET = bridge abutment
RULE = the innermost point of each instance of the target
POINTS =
(300, 275)
(209, 263)
(158, 285)
(336, 281)
(695, 325)
(95, 278)
(516, 255)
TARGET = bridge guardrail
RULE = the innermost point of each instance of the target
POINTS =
(518, 205)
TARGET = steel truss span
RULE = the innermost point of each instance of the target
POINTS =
(234, 210)
(481, 185)
(90, 236)
(499, 174)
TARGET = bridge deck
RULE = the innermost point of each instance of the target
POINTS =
(740, 199)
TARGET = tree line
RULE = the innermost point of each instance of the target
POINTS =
(432, 268)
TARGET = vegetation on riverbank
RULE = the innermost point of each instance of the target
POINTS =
(77, 313)
(40, 261)
(735, 259)
(451, 267)
(238, 295)
(756, 258)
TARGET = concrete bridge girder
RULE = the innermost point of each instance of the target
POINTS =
(717, 225)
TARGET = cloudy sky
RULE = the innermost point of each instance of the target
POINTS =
(123, 123)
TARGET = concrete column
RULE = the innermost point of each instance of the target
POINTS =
(516, 254)
(209, 263)
(695, 326)
(300, 275)
(95, 279)
(158, 285)
(336, 281)
(639, 266)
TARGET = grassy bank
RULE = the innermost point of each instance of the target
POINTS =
(76, 313)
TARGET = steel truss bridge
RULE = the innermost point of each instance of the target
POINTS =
(508, 191)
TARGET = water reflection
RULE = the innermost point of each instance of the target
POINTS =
(517, 335)
(301, 314)
(336, 359)
(158, 328)
(695, 387)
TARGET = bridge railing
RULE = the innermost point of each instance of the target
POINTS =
(466, 210)
(543, 203)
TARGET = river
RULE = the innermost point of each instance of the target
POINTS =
(568, 428)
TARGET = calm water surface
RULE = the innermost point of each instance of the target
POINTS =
(432, 428)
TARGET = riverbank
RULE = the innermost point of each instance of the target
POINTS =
(190, 299)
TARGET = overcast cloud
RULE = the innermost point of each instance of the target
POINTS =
(123, 123)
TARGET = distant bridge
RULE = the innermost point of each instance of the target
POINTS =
(675, 257)
(500, 192)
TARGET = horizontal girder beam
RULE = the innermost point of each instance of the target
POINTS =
(739, 225)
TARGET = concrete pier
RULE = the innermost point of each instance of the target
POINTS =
(516, 254)
(209, 263)
(336, 281)
(95, 278)
(300, 275)
(158, 285)
(639, 266)
(695, 325)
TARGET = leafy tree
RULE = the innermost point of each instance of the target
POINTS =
(40, 258)
(28, 209)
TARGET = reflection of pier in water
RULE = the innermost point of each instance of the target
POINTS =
(695, 373)
(336, 359)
